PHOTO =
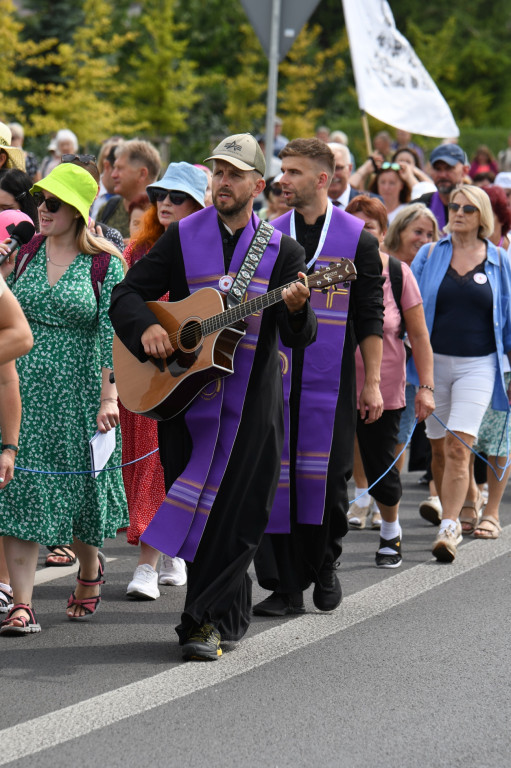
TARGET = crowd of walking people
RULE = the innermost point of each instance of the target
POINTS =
(239, 464)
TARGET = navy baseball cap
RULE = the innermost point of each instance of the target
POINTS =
(448, 153)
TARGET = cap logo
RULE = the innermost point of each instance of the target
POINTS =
(232, 145)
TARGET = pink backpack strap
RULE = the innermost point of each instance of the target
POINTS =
(25, 255)
(98, 270)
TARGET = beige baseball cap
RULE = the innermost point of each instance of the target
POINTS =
(242, 151)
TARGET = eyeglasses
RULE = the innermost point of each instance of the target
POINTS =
(276, 190)
(465, 208)
(176, 197)
(390, 166)
(52, 203)
(85, 159)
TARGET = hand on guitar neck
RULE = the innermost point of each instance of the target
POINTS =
(156, 342)
(295, 295)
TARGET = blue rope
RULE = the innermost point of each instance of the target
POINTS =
(84, 471)
(505, 428)
(388, 470)
(504, 468)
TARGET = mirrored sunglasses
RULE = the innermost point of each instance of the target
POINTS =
(390, 166)
(176, 198)
(52, 203)
(465, 208)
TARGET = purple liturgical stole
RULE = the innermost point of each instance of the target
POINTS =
(438, 208)
(319, 385)
(214, 416)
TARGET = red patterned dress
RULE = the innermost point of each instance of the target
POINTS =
(143, 481)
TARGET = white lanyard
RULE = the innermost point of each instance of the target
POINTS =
(324, 231)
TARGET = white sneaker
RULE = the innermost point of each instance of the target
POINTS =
(172, 571)
(431, 510)
(446, 543)
(144, 585)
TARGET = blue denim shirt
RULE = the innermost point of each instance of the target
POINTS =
(430, 270)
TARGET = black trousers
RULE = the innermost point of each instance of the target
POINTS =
(377, 443)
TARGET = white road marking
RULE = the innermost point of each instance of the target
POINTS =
(101, 711)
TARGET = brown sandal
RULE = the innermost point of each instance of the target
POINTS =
(469, 521)
(483, 532)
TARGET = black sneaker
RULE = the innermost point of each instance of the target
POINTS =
(389, 561)
(203, 644)
(280, 604)
(327, 593)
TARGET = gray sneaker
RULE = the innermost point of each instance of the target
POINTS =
(446, 543)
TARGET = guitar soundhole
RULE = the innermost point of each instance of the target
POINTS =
(190, 336)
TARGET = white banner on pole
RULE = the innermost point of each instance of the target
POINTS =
(392, 83)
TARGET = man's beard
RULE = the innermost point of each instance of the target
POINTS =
(446, 187)
(231, 207)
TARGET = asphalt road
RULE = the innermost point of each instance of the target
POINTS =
(414, 669)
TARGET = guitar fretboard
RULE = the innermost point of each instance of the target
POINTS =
(240, 311)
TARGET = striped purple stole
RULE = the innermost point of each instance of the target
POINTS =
(319, 384)
(213, 418)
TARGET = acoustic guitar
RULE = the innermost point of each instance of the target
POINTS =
(204, 335)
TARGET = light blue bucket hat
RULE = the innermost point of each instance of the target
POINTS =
(183, 177)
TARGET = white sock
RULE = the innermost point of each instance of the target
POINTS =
(389, 531)
(447, 524)
(364, 500)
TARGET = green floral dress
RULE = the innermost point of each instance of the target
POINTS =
(60, 381)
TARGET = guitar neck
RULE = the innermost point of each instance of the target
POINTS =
(240, 311)
(338, 272)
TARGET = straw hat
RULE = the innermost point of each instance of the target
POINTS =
(15, 155)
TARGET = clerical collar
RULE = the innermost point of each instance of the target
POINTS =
(306, 234)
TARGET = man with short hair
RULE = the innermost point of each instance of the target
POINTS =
(448, 168)
(309, 516)
(340, 190)
(137, 164)
(221, 455)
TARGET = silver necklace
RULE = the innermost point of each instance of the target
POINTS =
(51, 260)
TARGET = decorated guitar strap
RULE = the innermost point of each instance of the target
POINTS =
(213, 418)
(320, 379)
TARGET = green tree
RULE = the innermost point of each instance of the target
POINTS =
(164, 84)
(246, 89)
(14, 85)
(86, 99)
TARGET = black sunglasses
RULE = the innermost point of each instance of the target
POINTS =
(52, 203)
(85, 159)
(465, 208)
(276, 190)
(176, 198)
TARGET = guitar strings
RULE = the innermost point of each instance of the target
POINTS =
(189, 336)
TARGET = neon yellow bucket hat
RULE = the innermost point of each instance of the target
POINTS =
(72, 184)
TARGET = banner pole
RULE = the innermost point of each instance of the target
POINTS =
(367, 134)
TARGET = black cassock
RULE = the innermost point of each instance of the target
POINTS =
(219, 589)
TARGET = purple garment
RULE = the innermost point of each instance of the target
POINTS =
(319, 384)
(214, 416)
(438, 208)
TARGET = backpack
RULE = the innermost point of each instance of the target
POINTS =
(396, 281)
(109, 209)
(98, 267)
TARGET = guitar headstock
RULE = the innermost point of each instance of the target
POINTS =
(337, 272)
